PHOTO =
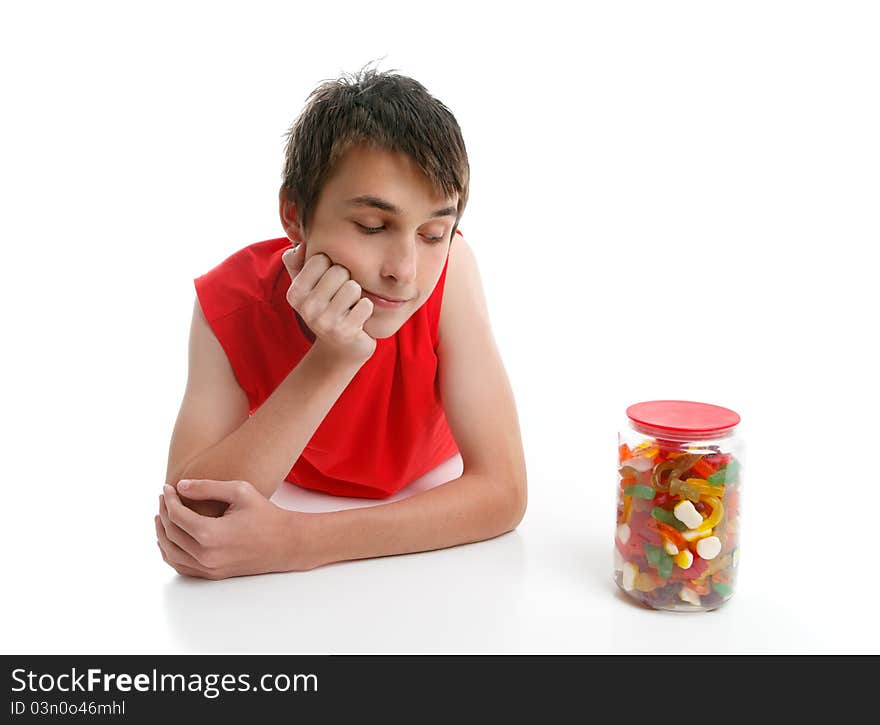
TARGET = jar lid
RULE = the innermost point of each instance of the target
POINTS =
(683, 417)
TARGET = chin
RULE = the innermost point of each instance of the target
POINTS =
(380, 329)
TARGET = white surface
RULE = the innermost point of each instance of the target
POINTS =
(669, 200)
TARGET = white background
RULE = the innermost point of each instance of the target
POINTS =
(669, 200)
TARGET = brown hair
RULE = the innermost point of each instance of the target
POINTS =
(377, 108)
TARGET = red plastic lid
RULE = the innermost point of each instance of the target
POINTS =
(682, 417)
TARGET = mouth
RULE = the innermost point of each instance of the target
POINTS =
(389, 303)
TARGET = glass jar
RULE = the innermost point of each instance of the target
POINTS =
(678, 501)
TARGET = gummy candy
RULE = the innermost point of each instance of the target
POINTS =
(661, 553)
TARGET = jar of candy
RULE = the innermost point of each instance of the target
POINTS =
(678, 501)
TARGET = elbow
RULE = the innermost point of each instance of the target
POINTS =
(515, 502)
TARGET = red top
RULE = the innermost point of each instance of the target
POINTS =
(697, 420)
(385, 430)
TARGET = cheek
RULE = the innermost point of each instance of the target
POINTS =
(433, 268)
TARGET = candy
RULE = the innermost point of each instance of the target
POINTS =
(684, 559)
(700, 586)
(664, 566)
(684, 489)
(676, 534)
(704, 488)
(718, 564)
(647, 582)
(645, 492)
(686, 513)
(686, 594)
(695, 534)
(652, 553)
(646, 449)
(709, 548)
(702, 468)
(640, 464)
(715, 517)
(627, 508)
(722, 588)
(728, 474)
(630, 572)
(667, 518)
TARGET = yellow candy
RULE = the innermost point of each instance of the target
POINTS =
(718, 564)
(645, 582)
(684, 559)
(704, 487)
(716, 515)
(695, 534)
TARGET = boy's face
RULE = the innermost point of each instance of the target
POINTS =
(379, 217)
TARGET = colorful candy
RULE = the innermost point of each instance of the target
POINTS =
(676, 542)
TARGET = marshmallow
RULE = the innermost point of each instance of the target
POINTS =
(688, 515)
(709, 548)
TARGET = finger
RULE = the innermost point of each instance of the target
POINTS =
(172, 553)
(326, 288)
(187, 519)
(177, 535)
(302, 285)
(231, 492)
(293, 259)
(347, 296)
(361, 312)
(185, 570)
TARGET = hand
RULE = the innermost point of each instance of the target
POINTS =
(330, 303)
(214, 509)
(254, 536)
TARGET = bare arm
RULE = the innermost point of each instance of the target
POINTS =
(215, 439)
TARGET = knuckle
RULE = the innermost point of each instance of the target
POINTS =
(341, 272)
(308, 311)
(204, 537)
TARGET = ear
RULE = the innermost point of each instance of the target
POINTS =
(289, 218)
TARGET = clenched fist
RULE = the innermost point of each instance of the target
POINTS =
(330, 303)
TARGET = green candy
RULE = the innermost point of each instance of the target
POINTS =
(639, 491)
(652, 553)
(728, 474)
(659, 559)
(664, 568)
(668, 518)
(722, 588)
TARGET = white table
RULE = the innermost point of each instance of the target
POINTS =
(546, 587)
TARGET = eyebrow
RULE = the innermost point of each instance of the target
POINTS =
(376, 202)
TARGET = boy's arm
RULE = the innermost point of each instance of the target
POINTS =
(490, 497)
(214, 438)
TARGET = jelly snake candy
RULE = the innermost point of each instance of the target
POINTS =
(677, 525)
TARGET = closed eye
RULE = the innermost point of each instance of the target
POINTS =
(376, 230)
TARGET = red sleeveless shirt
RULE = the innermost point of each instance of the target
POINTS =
(387, 428)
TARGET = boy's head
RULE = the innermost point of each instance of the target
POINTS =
(376, 177)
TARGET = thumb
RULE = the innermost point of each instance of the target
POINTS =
(233, 492)
(293, 259)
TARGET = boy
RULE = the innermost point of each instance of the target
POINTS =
(351, 356)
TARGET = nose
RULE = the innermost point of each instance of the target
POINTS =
(399, 262)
